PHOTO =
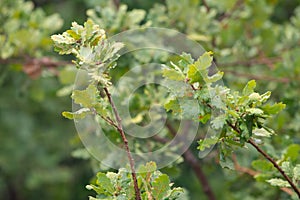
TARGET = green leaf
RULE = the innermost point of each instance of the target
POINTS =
(218, 122)
(254, 96)
(189, 108)
(273, 109)
(173, 105)
(161, 186)
(104, 182)
(265, 96)
(278, 182)
(225, 162)
(255, 111)
(87, 98)
(206, 143)
(249, 88)
(146, 170)
(261, 132)
(79, 114)
(175, 193)
(187, 58)
(296, 172)
(292, 152)
(193, 74)
(262, 165)
(287, 168)
(204, 61)
(203, 119)
(99, 190)
(173, 74)
(214, 78)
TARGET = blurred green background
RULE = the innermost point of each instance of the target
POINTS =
(36, 142)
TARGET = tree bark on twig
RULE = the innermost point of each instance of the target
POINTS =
(125, 141)
(264, 154)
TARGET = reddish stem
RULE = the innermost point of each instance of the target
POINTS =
(125, 141)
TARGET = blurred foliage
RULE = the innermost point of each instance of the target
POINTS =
(251, 40)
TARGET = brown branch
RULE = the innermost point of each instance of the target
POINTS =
(243, 169)
(122, 133)
(193, 162)
(33, 66)
(206, 5)
(252, 173)
(250, 141)
(275, 165)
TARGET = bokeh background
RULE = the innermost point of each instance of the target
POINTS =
(41, 156)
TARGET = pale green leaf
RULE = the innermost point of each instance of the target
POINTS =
(296, 172)
(187, 58)
(278, 182)
(214, 78)
(79, 114)
(175, 193)
(255, 111)
(254, 96)
(273, 109)
(173, 106)
(249, 88)
(262, 165)
(287, 168)
(207, 143)
(292, 152)
(265, 96)
(261, 132)
(225, 162)
(204, 61)
(105, 183)
(193, 74)
(173, 74)
(99, 190)
(218, 122)
(87, 98)
(161, 186)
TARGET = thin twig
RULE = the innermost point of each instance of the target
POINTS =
(250, 141)
(243, 169)
(253, 173)
(206, 5)
(275, 165)
(122, 133)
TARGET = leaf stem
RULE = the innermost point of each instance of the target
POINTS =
(125, 141)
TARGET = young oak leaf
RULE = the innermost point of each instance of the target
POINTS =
(206, 143)
(204, 61)
(278, 182)
(105, 183)
(273, 109)
(161, 186)
(87, 98)
(79, 114)
(249, 88)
